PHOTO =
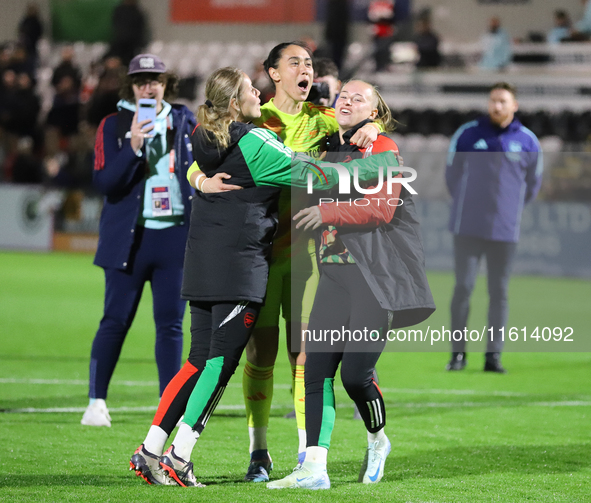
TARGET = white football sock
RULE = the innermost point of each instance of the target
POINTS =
(379, 436)
(316, 458)
(184, 441)
(155, 440)
(302, 440)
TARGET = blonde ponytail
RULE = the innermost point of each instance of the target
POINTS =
(384, 114)
(214, 116)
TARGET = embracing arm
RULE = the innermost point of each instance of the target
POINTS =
(378, 209)
(272, 163)
(368, 134)
(199, 180)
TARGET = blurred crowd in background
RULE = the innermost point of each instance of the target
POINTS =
(54, 147)
(53, 144)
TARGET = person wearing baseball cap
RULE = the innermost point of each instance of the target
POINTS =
(146, 63)
(140, 167)
(147, 78)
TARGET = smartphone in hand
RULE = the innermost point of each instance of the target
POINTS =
(146, 110)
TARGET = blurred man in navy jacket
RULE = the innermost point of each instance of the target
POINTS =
(494, 167)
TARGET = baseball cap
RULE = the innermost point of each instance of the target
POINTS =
(146, 63)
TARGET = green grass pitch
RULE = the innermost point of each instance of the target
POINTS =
(457, 437)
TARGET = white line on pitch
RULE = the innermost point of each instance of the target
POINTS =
(427, 405)
(80, 382)
(147, 408)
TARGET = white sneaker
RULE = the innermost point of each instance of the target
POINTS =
(302, 478)
(96, 414)
(377, 453)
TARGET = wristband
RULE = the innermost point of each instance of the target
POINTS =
(197, 181)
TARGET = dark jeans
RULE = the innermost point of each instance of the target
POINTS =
(157, 257)
(499, 258)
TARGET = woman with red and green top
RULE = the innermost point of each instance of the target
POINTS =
(226, 261)
(372, 279)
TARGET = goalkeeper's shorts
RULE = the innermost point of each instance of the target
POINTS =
(291, 288)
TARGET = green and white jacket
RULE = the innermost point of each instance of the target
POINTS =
(231, 233)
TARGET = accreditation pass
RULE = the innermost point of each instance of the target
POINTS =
(161, 205)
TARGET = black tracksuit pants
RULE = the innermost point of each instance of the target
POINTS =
(345, 304)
